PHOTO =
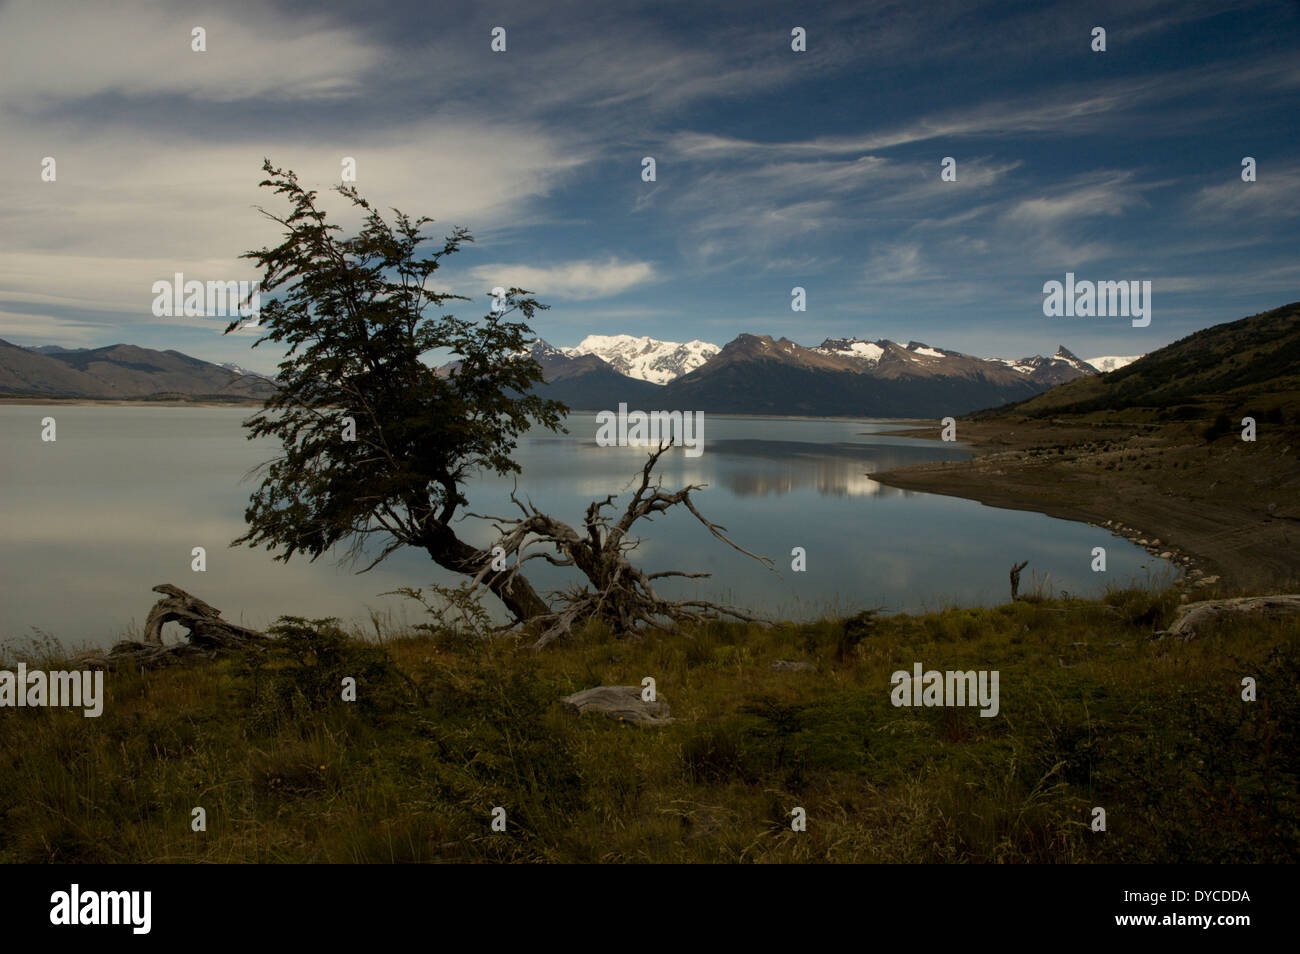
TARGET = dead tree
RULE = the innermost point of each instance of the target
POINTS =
(617, 592)
(208, 634)
(1015, 579)
(207, 630)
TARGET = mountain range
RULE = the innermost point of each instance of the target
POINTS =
(756, 374)
(659, 362)
(120, 372)
(753, 374)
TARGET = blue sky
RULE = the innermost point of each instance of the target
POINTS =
(818, 169)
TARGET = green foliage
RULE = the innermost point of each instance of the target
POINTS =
(301, 671)
(460, 614)
(351, 313)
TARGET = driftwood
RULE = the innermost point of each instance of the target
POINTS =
(621, 703)
(208, 634)
(1192, 617)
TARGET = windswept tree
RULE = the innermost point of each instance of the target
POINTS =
(375, 443)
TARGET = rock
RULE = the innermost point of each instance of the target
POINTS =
(1155, 543)
(792, 665)
(1142, 543)
(1193, 616)
(620, 703)
(1166, 555)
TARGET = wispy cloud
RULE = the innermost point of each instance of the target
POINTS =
(138, 48)
(576, 281)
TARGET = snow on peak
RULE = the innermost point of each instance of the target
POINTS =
(646, 358)
(869, 351)
(1112, 362)
(917, 348)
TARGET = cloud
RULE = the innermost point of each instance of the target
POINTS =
(1271, 196)
(897, 263)
(49, 329)
(125, 212)
(578, 281)
(775, 208)
(55, 50)
(1100, 193)
(1072, 111)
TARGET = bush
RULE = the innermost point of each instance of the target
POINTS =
(855, 630)
(301, 672)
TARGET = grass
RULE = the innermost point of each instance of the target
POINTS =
(446, 727)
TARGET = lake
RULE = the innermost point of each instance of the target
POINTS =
(95, 519)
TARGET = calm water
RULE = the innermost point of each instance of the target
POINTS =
(92, 521)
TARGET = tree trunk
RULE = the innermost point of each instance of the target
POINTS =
(452, 553)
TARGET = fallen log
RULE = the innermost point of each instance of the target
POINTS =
(207, 634)
(621, 703)
(1193, 617)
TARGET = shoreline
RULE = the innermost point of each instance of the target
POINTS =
(1135, 479)
(124, 402)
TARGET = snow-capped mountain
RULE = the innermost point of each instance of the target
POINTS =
(1063, 366)
(1112, 362)
(919, 358)
(758, 374)
(645, 358)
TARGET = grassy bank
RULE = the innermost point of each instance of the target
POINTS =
(1092, 713)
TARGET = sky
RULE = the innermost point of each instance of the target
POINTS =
(774, 168)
